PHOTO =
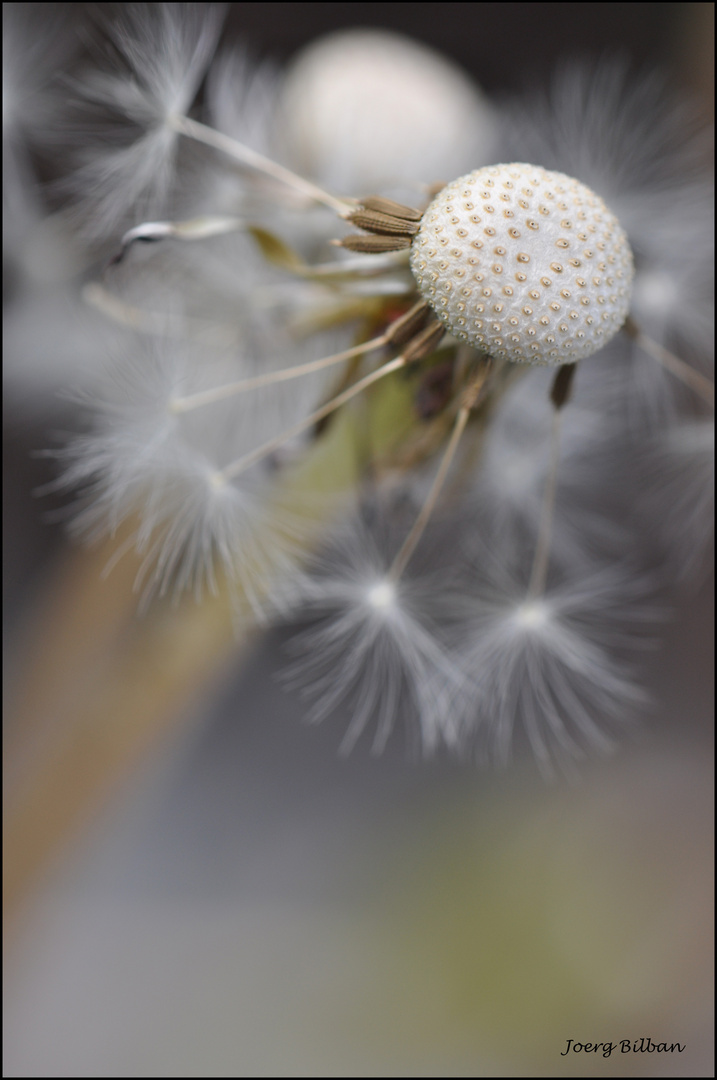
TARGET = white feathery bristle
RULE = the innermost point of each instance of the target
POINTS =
(524, 264)
(145, 460)
(673, 301)
(34, 51)
(507, 492)
(241, 98)
(382, 595)
(676, 499)
(556, 668)
(240, 101)
(165, 51)
(632, 139)
(376, 649)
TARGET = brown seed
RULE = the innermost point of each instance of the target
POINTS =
(375, 222)
(393, 209)
(374, 245)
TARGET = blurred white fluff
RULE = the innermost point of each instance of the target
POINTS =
(369, 110)
(50, 340)
(462, 654)
(36, 48)
(594, 491)
(143, 460)
(241, 102)
(554, 668)
(241, 98)
(677, 495)
(163, 51)
(377, 649)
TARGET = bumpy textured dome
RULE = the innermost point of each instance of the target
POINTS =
(526, 264)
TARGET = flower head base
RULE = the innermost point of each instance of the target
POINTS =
(524, 264)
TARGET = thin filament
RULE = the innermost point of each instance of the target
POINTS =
(539, 572)
(192, 129)
(682, 371)
(219, 393)
(243, 463)
(409, 544)
(472, 395)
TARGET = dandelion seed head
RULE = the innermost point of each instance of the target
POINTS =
(168, 473)
(369, 110)
(524, 264)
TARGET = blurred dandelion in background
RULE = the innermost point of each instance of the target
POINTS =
(418, 375)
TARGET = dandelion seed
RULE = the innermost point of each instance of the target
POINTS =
(558, 669)
(376, 649)
(243, 154)
(489, 591)
(145, 459)
(164, 51)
